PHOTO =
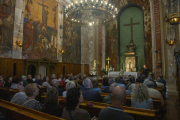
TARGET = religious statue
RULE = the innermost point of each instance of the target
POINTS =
(110, 68)
(131, 47)
(94, 63)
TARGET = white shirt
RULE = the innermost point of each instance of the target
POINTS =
(14, 86)
(47, 85)
(64, 93)
(159, 84)
(156, 94)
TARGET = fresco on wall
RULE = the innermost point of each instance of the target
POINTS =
(72, 42)
(7, 11)
(40, 29)
(111, 44)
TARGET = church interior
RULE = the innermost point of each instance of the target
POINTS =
(103, 59)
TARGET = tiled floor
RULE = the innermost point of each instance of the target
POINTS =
(171, 102)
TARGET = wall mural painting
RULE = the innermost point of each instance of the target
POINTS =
(40, 29)
(111, 44)
(72, 42)
(7, 11)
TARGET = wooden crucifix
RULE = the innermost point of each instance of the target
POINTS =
(108, 59)
(131, 24)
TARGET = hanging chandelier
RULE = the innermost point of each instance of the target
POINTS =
(90, 12)
(172, 18)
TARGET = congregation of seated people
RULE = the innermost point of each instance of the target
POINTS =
(141, 91)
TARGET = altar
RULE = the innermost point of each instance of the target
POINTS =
(115, 74)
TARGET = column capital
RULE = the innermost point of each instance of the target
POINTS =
(62, 2)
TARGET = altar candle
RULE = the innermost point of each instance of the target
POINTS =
(106, 67)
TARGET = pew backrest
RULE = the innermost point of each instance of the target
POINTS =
(14, 111)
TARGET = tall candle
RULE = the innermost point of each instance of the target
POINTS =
(106, 67)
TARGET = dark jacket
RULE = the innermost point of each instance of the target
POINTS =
(112, 113)
(7, 84)
(91, 95)
(55, 110)
(39, 82)
(30, 81)
(106, 90)
(59, 90)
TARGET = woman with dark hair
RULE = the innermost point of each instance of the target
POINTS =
(8, 81)
(45, 83)
(72, 111)
(95, 86)
(105, 82)
(51, 105)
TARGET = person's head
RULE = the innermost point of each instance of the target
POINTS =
(55, 83)
(38, 77)
(9, 79)
(112, 86)
(84, 76)
(158, 79)
(105, 81)
(70, 85)
(15, 80)
(95, 83)
(132, 79)
(21, 86)
(52, 96)
(24, 77)
(53, 76)
(118, 80)
(63, 78)
(29, 76)
(87, 83)
(60, 76)
(150, 84)
(75, 78)
(149, 76)
(118, 96)
(111, 81)
(161, 76)
(144, 66)
(1, 77)
(73, 98)
(45, 79)
(31, 90)
(140, 93)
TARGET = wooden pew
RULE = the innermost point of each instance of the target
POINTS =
(13, 111)
(138, 114)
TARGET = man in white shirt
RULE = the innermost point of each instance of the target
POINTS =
(153, 92)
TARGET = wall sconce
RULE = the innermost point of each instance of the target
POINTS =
(20, 44)
(62, 51)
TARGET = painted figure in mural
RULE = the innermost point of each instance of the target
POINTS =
(75, 45)
(28, 9)
(37, 29)
(28, 34)
(6, 22)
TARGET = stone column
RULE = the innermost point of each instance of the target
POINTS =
(18, 28)
(103, 46)
(61, 4)
(153, 35)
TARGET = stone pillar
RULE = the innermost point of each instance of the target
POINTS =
(103, 46)
(18, 25)
(60, 28)
(153, 35)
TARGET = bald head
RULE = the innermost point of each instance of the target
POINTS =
(112, 86)
(118, 94)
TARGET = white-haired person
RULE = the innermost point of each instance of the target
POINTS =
(32, 91)
(56, 84)
(46, 82)
(140, 97)
(153, 93)
(69, 85)
(89, 94)
(53, 77)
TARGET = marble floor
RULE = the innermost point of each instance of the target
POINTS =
(171, 102)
